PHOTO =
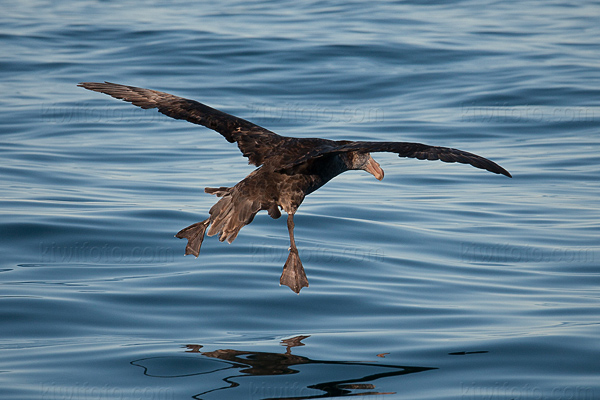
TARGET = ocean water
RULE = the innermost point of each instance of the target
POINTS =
(439, 282)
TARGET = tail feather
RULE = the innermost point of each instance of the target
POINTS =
(235, 209)
(230, 214)
(240, 217)
(219, 192)
(219, 215)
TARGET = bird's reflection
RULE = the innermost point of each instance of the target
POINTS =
(329, 379)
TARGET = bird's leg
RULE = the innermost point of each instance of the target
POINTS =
(195, 235)
(293, 274)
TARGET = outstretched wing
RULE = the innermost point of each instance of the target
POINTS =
(254, 142)
(406, 149)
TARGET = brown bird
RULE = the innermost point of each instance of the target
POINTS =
(288, 168)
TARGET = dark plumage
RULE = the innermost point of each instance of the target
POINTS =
(289, 168)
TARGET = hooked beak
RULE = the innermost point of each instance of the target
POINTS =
(374, 169)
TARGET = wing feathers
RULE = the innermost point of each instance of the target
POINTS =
(253, 141)
(425, 152)
(261, 145)
(405, 149)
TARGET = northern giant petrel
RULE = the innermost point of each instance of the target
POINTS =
(288, 168)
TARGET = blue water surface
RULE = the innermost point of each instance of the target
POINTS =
(440, 282)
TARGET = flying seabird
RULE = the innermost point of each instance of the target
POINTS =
(288, 168)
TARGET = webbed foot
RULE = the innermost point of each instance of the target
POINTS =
(195, 235)
(293, 275)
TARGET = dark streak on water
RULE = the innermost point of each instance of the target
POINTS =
(440, 282)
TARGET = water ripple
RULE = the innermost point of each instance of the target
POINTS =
(440, 282)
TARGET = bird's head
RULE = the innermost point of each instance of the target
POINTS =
(365, 162)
